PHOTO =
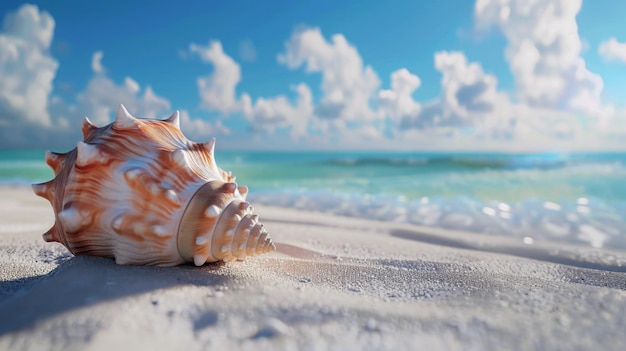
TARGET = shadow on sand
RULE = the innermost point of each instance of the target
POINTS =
(82, 281)
(531, 252)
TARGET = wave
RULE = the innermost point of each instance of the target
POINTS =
(586, 221)
(544, 161)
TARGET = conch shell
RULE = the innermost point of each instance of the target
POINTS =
(138, 191)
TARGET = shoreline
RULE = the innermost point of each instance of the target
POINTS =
(334, 283)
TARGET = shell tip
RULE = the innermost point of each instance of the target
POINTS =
(160, 230)
(41, 189)
(243, 191)
(55, 161)
(212, 211)
(244, 206)
(171, 195)
(210, 146)
(88, 127)
(201, 240)
(230, 187)
(71, 220)
(124, 119)
(198, 260)
(174, 119)
(86, 153)
(50, 235)
(178, 156)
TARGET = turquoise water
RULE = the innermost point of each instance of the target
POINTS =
(578, 198)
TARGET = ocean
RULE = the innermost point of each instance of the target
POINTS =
(576, 198)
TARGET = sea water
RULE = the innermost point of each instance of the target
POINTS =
(576, 198)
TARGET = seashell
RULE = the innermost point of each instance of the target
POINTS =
(139, 191)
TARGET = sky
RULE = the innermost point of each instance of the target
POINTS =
(451, 75)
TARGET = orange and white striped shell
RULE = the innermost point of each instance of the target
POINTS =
(139, 191)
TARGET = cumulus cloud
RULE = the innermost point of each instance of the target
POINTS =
(102, 95)
(266, 114)
(26, 67)
(200, 128)
(347, 85)
(555, 92)
(217, 90)
(271, 113)
(611, 49)
(466, 88)
(468, 94)
(544, 52)
(398, 102)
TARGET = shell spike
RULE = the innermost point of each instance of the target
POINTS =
(244, 206)
(210, 146)
(174, 119)
(179, 157)
(243, 190)
(86, 154)
(55, 161)
(124, 120)
(229, 187)
(51, 234)
(44, 189)
(72, 220)
(87, 127)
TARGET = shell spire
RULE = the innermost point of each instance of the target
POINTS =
(140, 192)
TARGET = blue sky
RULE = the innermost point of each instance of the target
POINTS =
(512, 75)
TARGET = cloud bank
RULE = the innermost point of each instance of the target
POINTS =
(556, 103)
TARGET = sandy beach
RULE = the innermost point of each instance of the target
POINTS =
(334, 284)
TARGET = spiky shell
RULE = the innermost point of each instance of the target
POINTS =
(139, 191)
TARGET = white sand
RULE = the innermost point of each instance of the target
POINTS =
(335, 283)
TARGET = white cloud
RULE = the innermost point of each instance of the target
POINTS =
(102, 95)
(468, 95)
(96, 62)
(544, 53)
(612, 49)
(347, 86)
(199, 128)
(555, 93)
(466, 88)
(471, 112)
(265, 114)
(217, 90)
(271, 113)
(26, 67)
(398, 102)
